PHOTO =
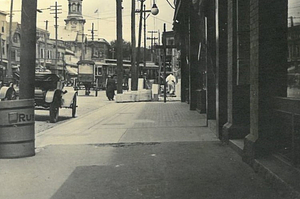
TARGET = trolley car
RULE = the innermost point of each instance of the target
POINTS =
(86, 76)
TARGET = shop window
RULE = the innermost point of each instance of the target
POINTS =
(3, 25)
(13, 55)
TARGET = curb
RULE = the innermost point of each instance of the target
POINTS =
(284, 189)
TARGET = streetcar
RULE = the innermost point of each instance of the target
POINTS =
(86, 76)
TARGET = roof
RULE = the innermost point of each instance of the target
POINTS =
(71, 70)
(3, 13)
(86, 61)
(69, 52)
(64, 34)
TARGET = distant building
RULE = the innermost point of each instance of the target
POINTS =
(3, 49)
(97, 50)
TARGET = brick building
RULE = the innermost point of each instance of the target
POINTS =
(234, 69)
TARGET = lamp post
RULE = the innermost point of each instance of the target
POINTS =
(9, 69)
(28, 41)
(154, 10)
(119, 48)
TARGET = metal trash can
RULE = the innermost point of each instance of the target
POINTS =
(17, 128)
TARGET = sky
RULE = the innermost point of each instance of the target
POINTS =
(104, 19)
(294, 11)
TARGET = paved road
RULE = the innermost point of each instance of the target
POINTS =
(86, 104)
(132, 150)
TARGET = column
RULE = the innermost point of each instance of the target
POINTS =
(268, 73)
(238, 122)
(195, 77)
(221, 65)
(211, 61)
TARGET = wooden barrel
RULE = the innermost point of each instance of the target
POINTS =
(17, 128)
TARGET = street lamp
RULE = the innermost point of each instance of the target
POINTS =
(154, 10)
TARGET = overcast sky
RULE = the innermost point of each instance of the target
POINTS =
(104, 20)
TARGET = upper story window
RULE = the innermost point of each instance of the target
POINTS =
(73, 7)
(2, 28)
(16, 38)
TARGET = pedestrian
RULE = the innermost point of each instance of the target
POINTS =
(110, 88)
(171, 80)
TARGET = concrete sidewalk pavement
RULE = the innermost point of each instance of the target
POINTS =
(132, 150)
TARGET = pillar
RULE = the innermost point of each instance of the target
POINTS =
(268, 72)
(221, 65)
(211, 60)
(238, 121)
(195, 77)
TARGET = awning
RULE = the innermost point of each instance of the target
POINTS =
(71, 70)
(69, 52)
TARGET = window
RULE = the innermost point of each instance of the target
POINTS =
(3, 47)
(18, 55)
(49, 55)
(3, 25)
(16, 38)
(73, 7)
(42, 53)
(13, 55)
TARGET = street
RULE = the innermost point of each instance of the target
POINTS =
(86, 104)
(130, 150)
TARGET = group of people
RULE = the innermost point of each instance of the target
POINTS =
(111, 86)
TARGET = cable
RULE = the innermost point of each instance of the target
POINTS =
(170, 4)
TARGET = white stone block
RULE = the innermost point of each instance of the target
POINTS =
(141, 83)
(144, 95)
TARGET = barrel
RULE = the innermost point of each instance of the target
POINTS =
(17, 128)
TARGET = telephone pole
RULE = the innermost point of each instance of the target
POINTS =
(93, 37)
(56, 10)
(119, 48)
(145, 40)
(133, 48)
(152, 39)
(139, 41)
(46, 44)
(28, 41)
(9, 69)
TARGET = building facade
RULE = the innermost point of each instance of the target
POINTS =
(234, 69)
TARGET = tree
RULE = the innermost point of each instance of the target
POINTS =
(126, 49)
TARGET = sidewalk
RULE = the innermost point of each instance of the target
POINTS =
(132, 150)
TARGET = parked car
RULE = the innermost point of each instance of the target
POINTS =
(50, 95)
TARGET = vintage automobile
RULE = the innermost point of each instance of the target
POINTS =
(50, 95)
(7, 92)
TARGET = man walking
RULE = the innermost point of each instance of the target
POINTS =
(171, 81)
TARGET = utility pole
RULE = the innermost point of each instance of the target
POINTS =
(119, 48)
(93, 37)
(46, 45)
(145, 40)
(139, 42)
(9, 69)
(164, 60)
(56, 9)
(133, 43)
(1, 55)
(28, 41)
(152, 39)
(82, 44)
(92, 32)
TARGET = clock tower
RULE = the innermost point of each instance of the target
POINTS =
(75, 21)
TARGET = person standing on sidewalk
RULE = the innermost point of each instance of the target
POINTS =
(110, 88)
(171, 80)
